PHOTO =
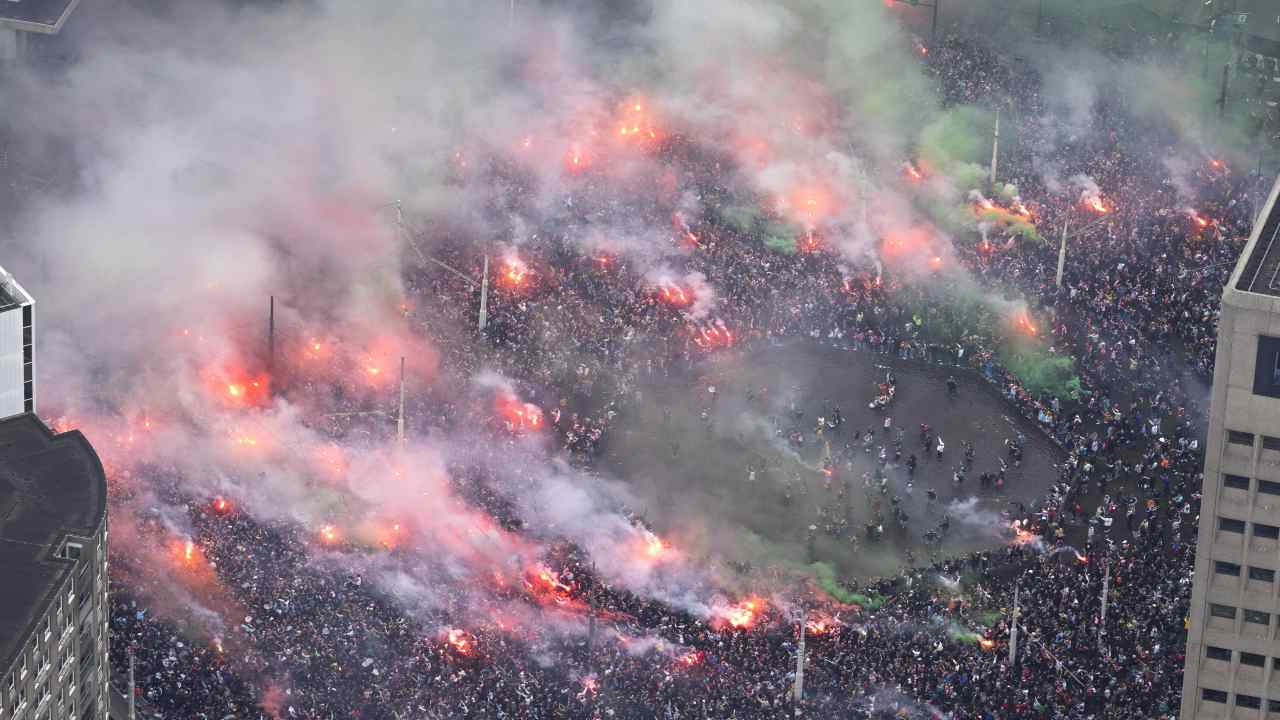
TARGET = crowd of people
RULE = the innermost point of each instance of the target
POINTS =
(1136, 312)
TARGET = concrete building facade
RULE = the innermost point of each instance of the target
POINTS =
(53, 560)
(1233, 642)
(17, 351)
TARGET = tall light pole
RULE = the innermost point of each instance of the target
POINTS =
(400, 415)
(1062, 249)
(484, 296)
(995, 150)
(1013, 632)
(1106, 584)
(798, 693)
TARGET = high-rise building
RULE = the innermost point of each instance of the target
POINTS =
(20, 20)
(1233, 642)
(17, 356)
(53, 562)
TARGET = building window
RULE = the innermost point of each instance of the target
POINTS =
(1226, 568)
(1257, 617)
(1235, 482)
(1237, 437)
(1270, 443)
(1261, 574)
(1253, 659)
(1217, 696)
(1263, 530)
(1273, 706)
(1231, 526)
(1269, 488)
(1217, 653)
(1266, 375)
(1248, 701)
(1222, 611)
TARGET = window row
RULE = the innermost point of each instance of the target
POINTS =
(1258, 617)
(1223, 567)
(1252, 702)
(1240, 482)
(1262, 530)
(1239, 437)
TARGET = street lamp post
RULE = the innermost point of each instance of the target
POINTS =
(1062, 248)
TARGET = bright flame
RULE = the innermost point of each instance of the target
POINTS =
(189, 551)
(460, 642)
(1024, 323)
(220, 504)
(654, 547)
(329, 534)
(742, 615)
(1096, 204)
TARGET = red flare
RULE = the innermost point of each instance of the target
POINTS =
(1096, 204)
(460, 641)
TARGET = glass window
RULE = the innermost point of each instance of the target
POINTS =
(1257, 616)
(1222, 611)
(1238, 437)
(1263, 530)
(1248, 701)
(1231, 526)
(1261, 574)
(1268, 487)
(1253, 659)
(1226, 568)
(1217, 653)
(1235, 482)
(1217, 696)
(1270, 443)
(1266, 377)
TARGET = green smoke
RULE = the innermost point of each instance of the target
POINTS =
(1042, 372)
(825, 577)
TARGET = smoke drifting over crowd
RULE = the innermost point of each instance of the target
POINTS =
(352, 159)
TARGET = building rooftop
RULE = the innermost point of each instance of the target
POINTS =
(50, 485)
(11, 293)
(43, 16)
(1260, 271)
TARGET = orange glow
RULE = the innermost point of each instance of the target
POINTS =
(674, 295)
(515, 272)
(689, 659)
(460, 641)
(240, 387)
(188, 551)
(1096, 204)
(913, 173)
(221, 505)
(711, 336)
(329, 534)
(819, 626)
(1023, 321)
(936, 262)
(743, 615)
(518, 415)
(544, 582)
(653, 545)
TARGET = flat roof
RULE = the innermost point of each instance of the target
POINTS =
(11, 293)
(43, 16)
(1259, 271)
(50, 486)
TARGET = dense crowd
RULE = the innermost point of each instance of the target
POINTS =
(1136, 310)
